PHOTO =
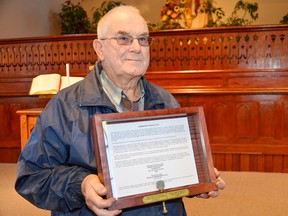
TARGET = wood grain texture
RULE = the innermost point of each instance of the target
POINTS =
(238, 74)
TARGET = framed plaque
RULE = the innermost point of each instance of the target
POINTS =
(153, 156)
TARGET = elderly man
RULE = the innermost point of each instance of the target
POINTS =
(56, 169)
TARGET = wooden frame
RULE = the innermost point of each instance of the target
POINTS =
(200, 145)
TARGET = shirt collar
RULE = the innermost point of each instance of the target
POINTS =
(114, 92)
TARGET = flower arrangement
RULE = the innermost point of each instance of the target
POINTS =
(176, 15)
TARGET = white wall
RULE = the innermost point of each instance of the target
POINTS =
(23, 18)
(30, 18)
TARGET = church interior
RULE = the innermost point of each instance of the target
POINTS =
(237, 74)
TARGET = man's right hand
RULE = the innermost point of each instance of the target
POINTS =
(93, 191)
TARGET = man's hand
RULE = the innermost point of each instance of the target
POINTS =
(93, 190)
(220, 186)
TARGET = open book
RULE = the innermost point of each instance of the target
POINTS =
(47, 84)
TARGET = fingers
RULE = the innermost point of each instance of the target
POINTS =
(203, 196)
(220, 184)
(217, 173)
(211, 194)
(93, 191)
(219, 181)
(96, 207)
(97, 186)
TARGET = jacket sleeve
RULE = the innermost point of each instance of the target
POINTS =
(48, 173)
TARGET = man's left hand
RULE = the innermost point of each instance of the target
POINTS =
(220, 186)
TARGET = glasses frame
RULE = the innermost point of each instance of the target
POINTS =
(117, 38)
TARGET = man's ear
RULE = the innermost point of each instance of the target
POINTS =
(97, 45)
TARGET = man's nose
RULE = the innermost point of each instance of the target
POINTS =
(135, 44)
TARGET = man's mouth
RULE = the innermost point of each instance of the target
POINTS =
(133, 60)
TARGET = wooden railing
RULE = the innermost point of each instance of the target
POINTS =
(221, 48)
(238, 74)
(211, 48)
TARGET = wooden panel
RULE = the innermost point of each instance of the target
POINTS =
(250, 162)
(10, 143)
(238, 74)
(28, 119)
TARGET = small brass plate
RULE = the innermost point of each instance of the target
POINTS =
(165, 196)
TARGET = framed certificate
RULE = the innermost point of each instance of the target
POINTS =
(153, 156)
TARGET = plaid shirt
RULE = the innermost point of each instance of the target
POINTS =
(115, 94)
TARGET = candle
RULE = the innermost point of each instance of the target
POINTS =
(68, 73)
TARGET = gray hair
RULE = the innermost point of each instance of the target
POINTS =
(102, 27)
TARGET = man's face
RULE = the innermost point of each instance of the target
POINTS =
(125, 61)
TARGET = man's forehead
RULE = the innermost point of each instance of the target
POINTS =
(126, 23)
(131, 33)
(128, 29)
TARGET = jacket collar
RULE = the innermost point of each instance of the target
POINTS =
(91, 91)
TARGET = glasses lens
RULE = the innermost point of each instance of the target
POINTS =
(145, 41)
(124, 40)
(127, 40)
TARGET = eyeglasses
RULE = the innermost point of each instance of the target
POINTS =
(127, 40)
